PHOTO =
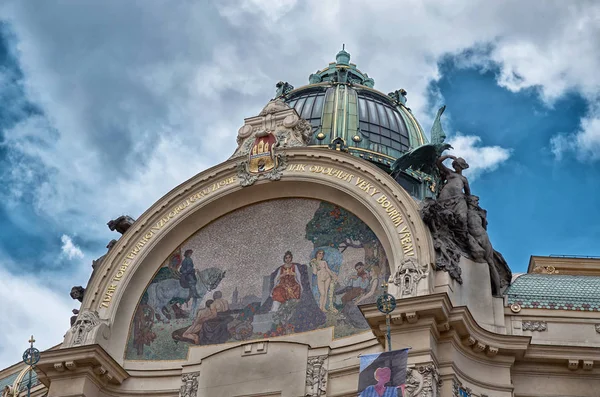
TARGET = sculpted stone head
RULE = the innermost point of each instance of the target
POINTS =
(77, 293)
(460, 164)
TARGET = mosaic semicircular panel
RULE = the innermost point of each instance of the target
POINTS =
(271, 269)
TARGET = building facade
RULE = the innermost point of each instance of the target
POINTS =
(259, 276)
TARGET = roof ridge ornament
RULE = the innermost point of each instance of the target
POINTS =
(343, 56)
(283, 88)
(261, 139)
(437, 131)
(342, 72)
(399, 96)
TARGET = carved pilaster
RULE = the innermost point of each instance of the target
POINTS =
(431, 380)
(316, 376)
(189, 385)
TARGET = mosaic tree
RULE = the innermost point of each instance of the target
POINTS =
(335, 227)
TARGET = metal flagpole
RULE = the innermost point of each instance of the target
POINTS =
(30, 357)
(386, 304)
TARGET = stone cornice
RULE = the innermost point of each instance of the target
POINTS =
(554, 352)
(447, 317)
(458, 324)
(564, 265)
(91, 360)
(456, 370)
(466, 326)
(557, 315)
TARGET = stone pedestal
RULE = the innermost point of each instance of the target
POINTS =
(79, 371)
(475, 293)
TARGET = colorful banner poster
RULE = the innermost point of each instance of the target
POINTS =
(382, 374)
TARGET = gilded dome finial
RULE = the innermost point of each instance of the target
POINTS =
(343, 57)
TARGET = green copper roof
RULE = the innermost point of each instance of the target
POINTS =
(348, 114)
(341, 71)
(561, 292)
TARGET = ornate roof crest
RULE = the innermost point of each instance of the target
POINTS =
(261, 139)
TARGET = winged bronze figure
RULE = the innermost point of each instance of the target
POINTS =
(424, 157)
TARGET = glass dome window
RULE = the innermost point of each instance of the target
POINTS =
(309, 106)
(381, 124)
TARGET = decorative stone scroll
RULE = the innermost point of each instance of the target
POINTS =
(545, 270)
(408, 275)
(316, 376)
(539, 326)
(189, 386)
(423, 381)
(8, 391)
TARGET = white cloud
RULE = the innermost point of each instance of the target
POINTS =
(30, 307)
(136, 101)
(69, 248)
(584, 143)
(272, 10)
(138, 104)
(480, 158)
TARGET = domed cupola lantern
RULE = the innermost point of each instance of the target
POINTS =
(343, 57)
(348, 114)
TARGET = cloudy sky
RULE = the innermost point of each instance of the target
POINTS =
(106, 106)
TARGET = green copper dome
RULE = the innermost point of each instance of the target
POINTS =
(348, 114)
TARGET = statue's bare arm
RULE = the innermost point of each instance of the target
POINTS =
(440, 164)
